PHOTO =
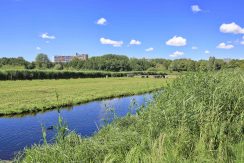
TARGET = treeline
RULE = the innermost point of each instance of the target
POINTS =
(119, 63)
(122, 63)
(20, 61)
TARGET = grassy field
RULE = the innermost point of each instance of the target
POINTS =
(197, 118)
(40, 95)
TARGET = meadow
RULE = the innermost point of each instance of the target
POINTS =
(39, 95)
(197, 118)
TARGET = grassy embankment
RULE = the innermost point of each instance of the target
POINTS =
(198, 118)
(40, 95)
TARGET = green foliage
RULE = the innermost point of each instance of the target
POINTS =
(121, 63)
(42, 61)
(198, 118)
(109, 62)
(13, 63)
(140, 64)
(20, 61)
(58, 67)
(183, 65)
(61, 130)
(58, 74)
(202, 65)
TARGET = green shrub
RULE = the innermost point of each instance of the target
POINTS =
(56, 74)
(58, 67)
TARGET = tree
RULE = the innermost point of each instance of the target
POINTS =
(182, 65)
(20, 61)
(42, 61)
(140, 64)
(211, 63)
(58, 66)
(30, 65)
(109, 62)
(202, 65)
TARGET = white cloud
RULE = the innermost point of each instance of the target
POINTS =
(135, 42)
(101, 21)
(194, 48)
(231, 28)
(176, 41)
(242, 42)
(46, 36)
(195, 8)
(106, 41)
(176, 54)
(149, 49)
(225, 46)
(206, 51)
(38, 48)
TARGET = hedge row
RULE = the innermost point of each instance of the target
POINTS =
(47, 74)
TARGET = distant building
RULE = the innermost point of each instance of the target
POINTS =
(65, 59)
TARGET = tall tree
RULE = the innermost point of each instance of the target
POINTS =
(42, 61)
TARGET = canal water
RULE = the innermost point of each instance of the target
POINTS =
(22, 131)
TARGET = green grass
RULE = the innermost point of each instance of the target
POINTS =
(197, 118)
(40, 95)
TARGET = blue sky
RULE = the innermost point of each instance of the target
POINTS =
(169, 29)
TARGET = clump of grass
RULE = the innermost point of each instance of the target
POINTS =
(197, 118)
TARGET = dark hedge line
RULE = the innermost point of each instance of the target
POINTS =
(47, 74)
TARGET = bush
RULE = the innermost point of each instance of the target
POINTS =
(55, 74)
(58, 67)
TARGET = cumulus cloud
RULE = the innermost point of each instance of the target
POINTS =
(176, 54)
(38, 48)
(176, 41)
(206, 51)
(231, 28)
(225, 46)
(135, 42)
(195, 8)
(101, 21)
(194, 48)
(106, 41)
(47, 36)
(149, 49)
(242, 42)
